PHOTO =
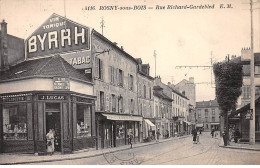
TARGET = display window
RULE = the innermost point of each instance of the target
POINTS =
(15, 122)
(120, 130)
(83, 121)
(107, 132)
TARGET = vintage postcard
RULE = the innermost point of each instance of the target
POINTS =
(130, 82)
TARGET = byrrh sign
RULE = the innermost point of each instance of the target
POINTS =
(58, 35)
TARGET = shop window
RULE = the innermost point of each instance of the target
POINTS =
(15, 122)
(120, 130)
(107, 133)
(83, 121)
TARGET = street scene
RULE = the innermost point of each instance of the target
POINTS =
(136, 83)
(207, 152)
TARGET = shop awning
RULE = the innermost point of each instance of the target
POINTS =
(215, 123)
(150, 124)
(122, 117)
(199, 125)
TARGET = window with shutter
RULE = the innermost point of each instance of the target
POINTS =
(98, 100)
(121, 81)
(101, 69)
(110, 74)
(97, 68)
(113, 103)
(102, 101)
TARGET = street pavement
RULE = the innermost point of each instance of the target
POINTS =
(172, 151)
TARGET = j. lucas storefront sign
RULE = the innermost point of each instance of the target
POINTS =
(59, 35)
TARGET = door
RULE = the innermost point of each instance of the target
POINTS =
(53, 122)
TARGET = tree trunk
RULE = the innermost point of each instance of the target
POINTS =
(226, 129)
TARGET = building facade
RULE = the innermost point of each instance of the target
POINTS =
(208, 115)
(162, 112)
(145, 101)
(44, 90)
(188, 89)
(115, 78)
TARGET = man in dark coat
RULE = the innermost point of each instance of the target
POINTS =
(236, 135)
(194, 133)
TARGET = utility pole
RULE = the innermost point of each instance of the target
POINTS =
(154, 54)
(252, 76)
(64, 8)
(102, 25)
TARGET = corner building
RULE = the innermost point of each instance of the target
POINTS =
(47, 89)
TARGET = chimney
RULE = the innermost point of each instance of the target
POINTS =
(191, 79)
(245, 54)
(3, 46)
(122, 48)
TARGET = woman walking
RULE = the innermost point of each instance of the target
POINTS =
(50, 142)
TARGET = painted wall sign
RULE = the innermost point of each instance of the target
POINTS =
(58, 35)
(79, 59)
(60, 83)
(52, 97)
(14, 99)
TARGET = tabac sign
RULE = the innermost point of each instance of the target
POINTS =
(57, 35)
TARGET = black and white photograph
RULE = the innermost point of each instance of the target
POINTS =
(129, 82)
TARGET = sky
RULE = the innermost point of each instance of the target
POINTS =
(181, 37)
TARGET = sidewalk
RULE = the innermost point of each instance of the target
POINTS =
(9, 159)
(240, 145)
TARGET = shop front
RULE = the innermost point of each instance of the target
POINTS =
(27, 118)
(149, 130)
(114, 130)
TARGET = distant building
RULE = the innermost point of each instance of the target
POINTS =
(207, 115)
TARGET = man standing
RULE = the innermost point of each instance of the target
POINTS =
(194, 133)
(158, 135)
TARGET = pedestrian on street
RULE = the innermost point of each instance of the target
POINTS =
(194, 133)
(212, 133)
(200, 131)
(158, 135)
(50, 142)
(130, 138)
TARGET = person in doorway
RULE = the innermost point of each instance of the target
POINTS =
(236, 135)
(194, 134)
(158, 135)
(50, 142)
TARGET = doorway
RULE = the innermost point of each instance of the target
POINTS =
(52, 111)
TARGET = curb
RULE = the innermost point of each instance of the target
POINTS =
(94, 155)
(243, 148)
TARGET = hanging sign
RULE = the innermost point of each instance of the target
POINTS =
(60, 83)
